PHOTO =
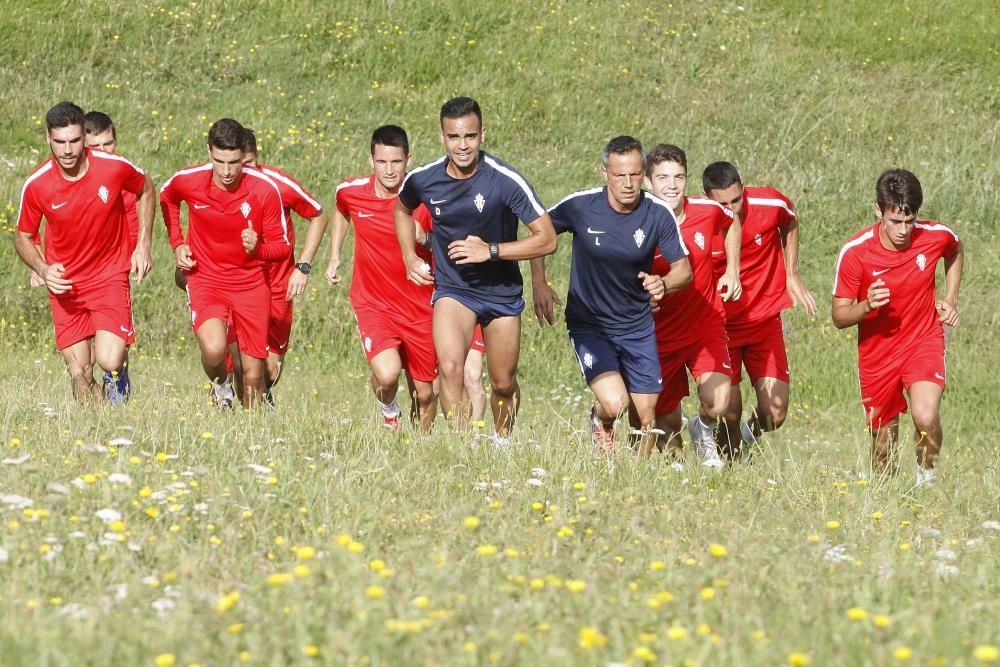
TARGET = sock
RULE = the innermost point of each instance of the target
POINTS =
(391, 410)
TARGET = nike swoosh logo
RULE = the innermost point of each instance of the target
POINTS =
(437, 201)
(595, 231)
(362, 214)
(57, 206)
(201, 205)
(878, 273)
(939, 376)
(282, 347)
(727, 367)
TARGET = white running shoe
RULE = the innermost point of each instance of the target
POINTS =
(704, 444)
(224, 395)
(925, 477)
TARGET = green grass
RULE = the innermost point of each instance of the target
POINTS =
(814, 100)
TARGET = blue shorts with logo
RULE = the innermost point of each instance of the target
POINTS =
(633, 355)
(486, 311)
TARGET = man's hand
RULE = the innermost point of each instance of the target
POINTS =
(947, 313)
(142, 262)
(545, 300)
(36, 280)
(800, 294)
(653, 284)
(183, 259)
(878, 295)
(296, 284)
(249, 238)
(53, 277)
(331, 272)
(730, 287)
(471, 250)
(419, 271)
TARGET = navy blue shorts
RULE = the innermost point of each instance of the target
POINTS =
(486, 311)
(633, 355)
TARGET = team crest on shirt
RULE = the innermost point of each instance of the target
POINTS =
(102, 192)
(759, 240)
(479, 201)
(588, 360)
(921, 261)
(699, 240)
(639, 237)
(245, 209)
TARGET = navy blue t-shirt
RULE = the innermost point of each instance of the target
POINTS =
(609, 251)
(486, 205)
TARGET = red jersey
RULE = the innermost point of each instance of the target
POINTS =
(379, 277)
(216, 220)
(85, 219)
(887, 333)
(762, 262)
(684, 314)
(296, 198)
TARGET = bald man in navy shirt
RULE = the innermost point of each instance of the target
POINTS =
(616, 232)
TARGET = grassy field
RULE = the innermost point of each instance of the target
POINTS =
(169, 534)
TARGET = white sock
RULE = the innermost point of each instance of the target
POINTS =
(390, 410)
(224, 391)
(703, 429)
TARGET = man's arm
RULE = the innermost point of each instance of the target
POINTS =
(145, 208)
(729, 282)
(51, 274)
(948, 307)
(314, 236)
(417, 269)
(795, 286)
(170, 204)
(340, 226)
(540, 241)
(542, 295)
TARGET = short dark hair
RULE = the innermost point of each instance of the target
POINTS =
(666, 153)
(390, 135)
(249, 141)
(63, 114)
(461, 106)
(899, 190)
(226, 134)
(719, 176)
(621, 146)
(98, 122)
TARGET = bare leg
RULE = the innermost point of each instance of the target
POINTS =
(883, 448)
(80, 366)
(925, 406)
(474, 384)
(211, 337)
(253, 381)
(503, 348)
(645, 408)
(729, 439)
(772, 405)
(670, 442)
(454, 326)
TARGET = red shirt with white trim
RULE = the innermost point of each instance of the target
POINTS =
(296, 198)
(379, 277)
(885, 335)
(85, 219)
(762, 262)
(684, 315)
(216, 220)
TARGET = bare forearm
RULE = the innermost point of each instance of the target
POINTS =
(848, 314)
(733, 243)
(790, 244)
(405, 235)
(679, 276)
(28, 252)
(953, 276)
(538, 271)
(314, 236)
(145, 209)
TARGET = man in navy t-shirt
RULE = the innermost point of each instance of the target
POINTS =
(475, 200)
(616, 232)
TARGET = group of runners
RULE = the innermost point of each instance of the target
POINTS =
(662, 284)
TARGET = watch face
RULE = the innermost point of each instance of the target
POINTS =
(304, 267)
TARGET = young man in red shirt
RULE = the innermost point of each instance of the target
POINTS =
(885, 284)
(286, 279)
(235, 225)
(769, 274)
(87, 260)
(393, 314)
(691, 323)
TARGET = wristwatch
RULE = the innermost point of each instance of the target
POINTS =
(304, 267)
(494, 252)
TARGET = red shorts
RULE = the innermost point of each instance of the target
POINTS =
(708, 355)
(761, 348)
(247, 309)
(279, 326)
(478, 343)
(882, 385)
(382, 331)
(81, 312)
